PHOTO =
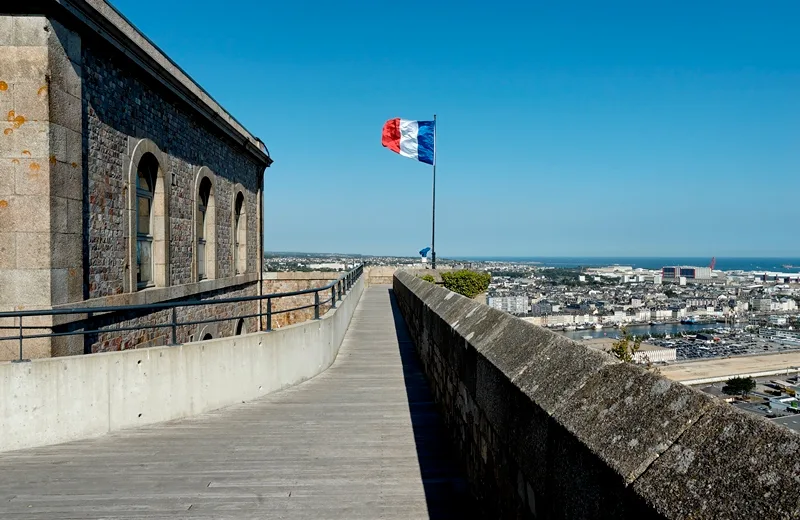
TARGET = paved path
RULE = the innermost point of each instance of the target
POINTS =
(729, 367)
(360, 441)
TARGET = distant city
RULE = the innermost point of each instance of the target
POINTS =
(720, 318)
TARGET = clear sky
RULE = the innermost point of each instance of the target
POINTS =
(565, 128)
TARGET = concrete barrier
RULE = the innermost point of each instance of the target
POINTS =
(549, 429)
(57, 400)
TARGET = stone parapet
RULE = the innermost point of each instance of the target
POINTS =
(283, 282)
(547, 428)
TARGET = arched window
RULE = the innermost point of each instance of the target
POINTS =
(202, 222)
(208, 337)
(240, 327)
(205, 222)
(239, 235)
(147, 173)
(147, 219)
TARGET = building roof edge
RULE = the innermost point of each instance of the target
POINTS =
(114, 27)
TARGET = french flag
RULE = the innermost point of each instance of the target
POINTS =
(412, 139)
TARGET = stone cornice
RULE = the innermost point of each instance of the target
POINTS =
(104, 20)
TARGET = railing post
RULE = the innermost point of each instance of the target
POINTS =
(20, 337)
(269, 314)
(316, 305)
(340, 289)
(21, 358)
(333, 296)
(174, 326)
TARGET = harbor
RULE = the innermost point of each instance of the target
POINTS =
(672, 329)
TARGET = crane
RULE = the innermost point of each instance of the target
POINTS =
(713, 263)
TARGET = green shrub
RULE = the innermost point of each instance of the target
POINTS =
(428, 278)
(467, 283)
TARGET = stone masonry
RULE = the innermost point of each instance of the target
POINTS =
(283, 282)
(548, 429)
(83, 96)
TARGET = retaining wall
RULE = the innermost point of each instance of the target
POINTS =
(549, 429)
(49, 401)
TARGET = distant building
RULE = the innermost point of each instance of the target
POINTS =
(674, 273)
(541, 308)
(510, 304)
(762, 304)
(647, 353)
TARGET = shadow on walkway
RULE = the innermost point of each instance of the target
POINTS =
(446, 489)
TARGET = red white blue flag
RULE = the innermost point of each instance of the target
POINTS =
(412, 139)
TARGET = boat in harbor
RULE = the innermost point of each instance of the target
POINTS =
(656, 323)
(598, 326)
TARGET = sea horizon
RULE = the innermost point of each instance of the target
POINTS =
(742, 263)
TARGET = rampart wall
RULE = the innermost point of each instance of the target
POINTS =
(549, 429)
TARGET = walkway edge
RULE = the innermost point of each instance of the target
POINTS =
(50, 401)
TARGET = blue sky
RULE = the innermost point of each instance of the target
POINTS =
(565, 128)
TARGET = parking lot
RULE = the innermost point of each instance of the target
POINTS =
(762, 400)
(726, 344)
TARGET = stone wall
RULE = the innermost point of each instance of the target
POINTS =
(83, 96)
(379, 274)
(157, 336)
(123, 108)
(549, 429)
(40, 165)
(282, 282)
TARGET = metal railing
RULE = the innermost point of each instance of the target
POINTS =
(333, 293)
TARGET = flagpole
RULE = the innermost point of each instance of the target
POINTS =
(433, 213)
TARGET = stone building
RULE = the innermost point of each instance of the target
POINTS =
(122, 182)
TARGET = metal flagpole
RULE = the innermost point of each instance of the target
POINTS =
(433, 219)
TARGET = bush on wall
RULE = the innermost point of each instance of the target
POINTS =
(467, 283)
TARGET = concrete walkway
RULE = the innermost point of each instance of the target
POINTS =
(360, 441)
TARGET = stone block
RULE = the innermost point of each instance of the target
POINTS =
(728, 465)
(30, 30)
(65, 75)
(28, 140)
(65, 42)
(6, 99)
(7, 215)
(33, 250)
(58, 142)
(67, 181)
(74, 148)
(628, 417)
(66, 346)
(6, 30)
(66, 250)
(65, 110)
(25, 213)
(24, 63)
(8, 255)
(32, 177)
(30, 100)
(67, 285)
(36, 348)
(58, 215)
(74, 216)
(25, 287)
(7, 172)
